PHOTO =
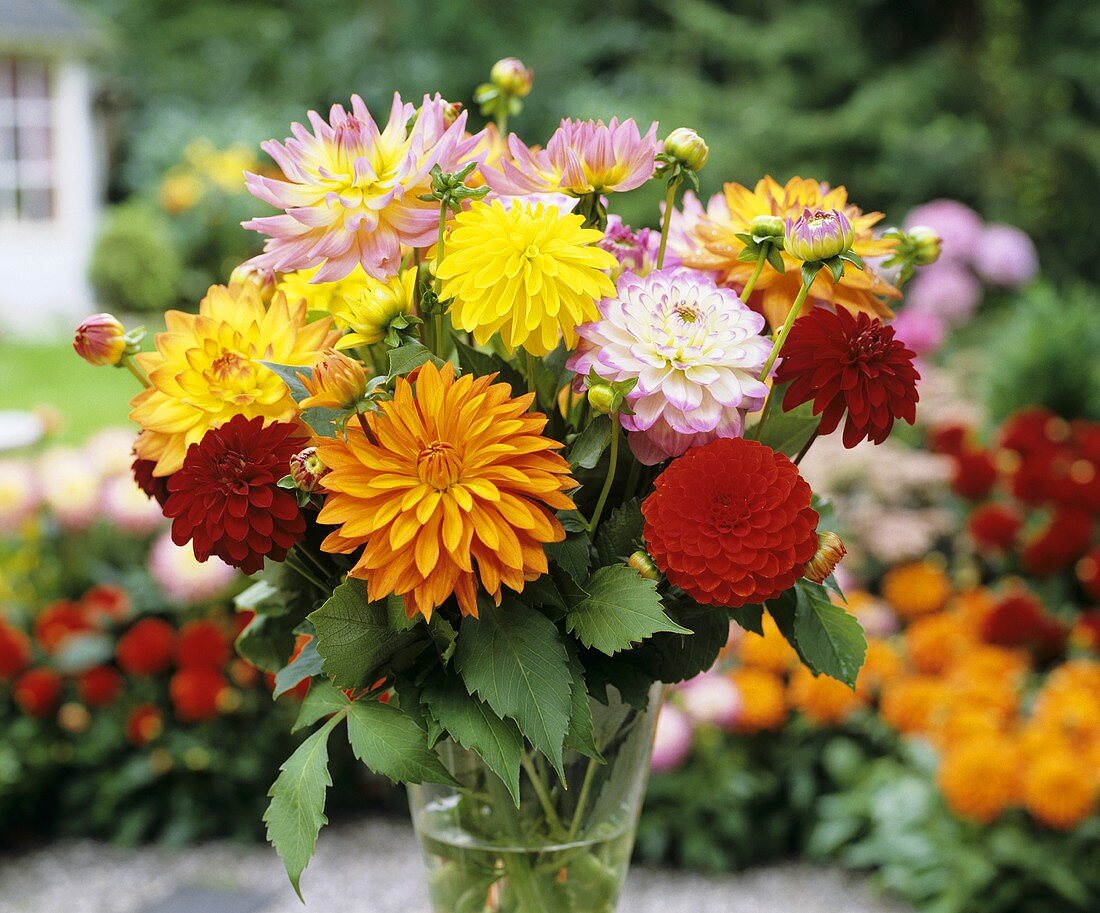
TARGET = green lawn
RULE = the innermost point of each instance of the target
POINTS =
(51, 374)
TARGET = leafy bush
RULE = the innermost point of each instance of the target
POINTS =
(135, 264)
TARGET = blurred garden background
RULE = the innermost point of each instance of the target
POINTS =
(963, 774)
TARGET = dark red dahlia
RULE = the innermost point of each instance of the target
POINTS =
(99, 686)
(1020, 620)
(202, 643)
(146, 648)
(1065, 538)
(849, 364)
(37, 691)
(730, 523)
(974, 475)
(155, 487)
(197, 694)
(225, 499)
(994, 527)
(948, 439)
(1031, 429)
(1088, 572)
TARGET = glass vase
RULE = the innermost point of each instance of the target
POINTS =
(564, 849)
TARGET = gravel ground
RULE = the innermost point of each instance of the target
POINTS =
(368, 867)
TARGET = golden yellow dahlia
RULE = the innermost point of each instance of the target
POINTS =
(708, 241)
(531, 273)
(368, 314)
(458, 485)
(336, 382)
(207, 368)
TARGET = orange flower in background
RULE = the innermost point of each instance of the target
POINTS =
(910, 703)
(460, 487)
(978, 778)
(917, 588)
(144, 724)
(1060, 788)
(932, 641)
(883, 664)
(58, 622)
(821, 699)
(763, 700)
(709, 242)
(772, 652)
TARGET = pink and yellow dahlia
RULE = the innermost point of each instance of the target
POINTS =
(582, 157)
(209, 367)
(695, 351)
(352, 192)
(708, 241)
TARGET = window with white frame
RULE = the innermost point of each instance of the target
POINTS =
(27, 189)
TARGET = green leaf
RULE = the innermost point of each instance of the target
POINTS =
(472, 723)
(786, 432)
(324, 421)
(674, 658)
(749, 617)
(254, 596)
(573, 555)
(357, 639)
(543, 593)
(323, 699)
(591, 443)
(550, 374)
(390, 743)
(620, 533)
(620, 608)
(305, 665)
(296, 813)
(409, 357)
(480, 364)
(581, 737)
(289, 375)
(512, 658)
(443, 636)
(828, 639)
(267, 641)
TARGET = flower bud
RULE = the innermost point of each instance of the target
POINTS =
(643, 564)
(337, 382)
(263, 280)
(604, 398)
(101, 340)
(818, 235)
(512, 77)
(307, 470)
(830, 549)
(767, 227)
(687, 147)
(926, 244)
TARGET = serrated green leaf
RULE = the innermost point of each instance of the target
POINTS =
(620, 608)
(749, 617)
(305, 665)
(620, 533)
(512, 658)
(828, 639)
(573, 555)
(390, 743)
(581, 737)
(481, 364)
(591, 443)
(267, 641)
(473, 724)
(409, 357)
(443, 636)
(357, 639)
(289, 376)
(785, 432)
(323, 699)
(296, 813)
(324, 421)
(672, 658)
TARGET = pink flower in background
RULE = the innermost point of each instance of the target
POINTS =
(710, 699)
(686, 221)
(128, 507)
(922, 331)
(1005, 256)
(352, 192)
(947, 290)
(672, 743)
(72, 490)
(636, 250)
(959, 227)
(182, 577)
(111, 451)
(19, 494)
(581, 157)
(695, 351)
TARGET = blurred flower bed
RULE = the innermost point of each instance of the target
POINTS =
(125, 712)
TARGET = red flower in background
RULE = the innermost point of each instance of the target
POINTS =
(105, 603)
(37, 692)
(15, 651)
(155, 487)
(1086, 630)
(975, 474)
(99, 686)
(849, 364)
(730, 523)
(1033, 429)
(225, 499)
(57, 622)
(1064, 539)
(1088, 572)
(146, 649)
(1020, 620)
(144, 723)
(994, 527)
(197, 694)
(948, 439)
(202, 643)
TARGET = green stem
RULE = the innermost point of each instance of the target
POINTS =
(520, 874)
(302, 571)
(552, 818)
(785, 330)
(130, 366)
(757, 270)
(438, 349)
(616, 432)
(502, 121)
(806, 447)
(582, 799)
(632, 478)
(666, 222)
(532, 367)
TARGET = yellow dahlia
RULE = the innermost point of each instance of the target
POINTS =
(369, 314)
(457, 486)
(709, 241)
(323, 296)
(530, 272)
(207, 368)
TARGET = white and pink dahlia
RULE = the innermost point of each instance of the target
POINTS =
(352, 192)
(695, 351)
(582, 157)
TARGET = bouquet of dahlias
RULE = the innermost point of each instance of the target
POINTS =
(511, 465)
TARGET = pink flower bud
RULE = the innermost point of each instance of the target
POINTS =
(819, 235)
(100, 340)
(512, 77)
(307, 470)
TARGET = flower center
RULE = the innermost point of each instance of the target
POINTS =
(531, 251)
(439, 465)
(686, 312)
(232, 378)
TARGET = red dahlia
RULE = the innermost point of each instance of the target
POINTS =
(849, 364)
(99, 686)
(202, 643)
(1065, 538)
(37, 692)
(730, 523)
(1020, 620)
(155, 487)
(15, 651)
(146, 649)
(144, 724)
(975, 473)
(225, 499)
(197, 694)
(994, 527)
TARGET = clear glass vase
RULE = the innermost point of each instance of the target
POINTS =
(565, 848)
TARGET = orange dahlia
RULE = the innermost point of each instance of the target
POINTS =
(979, 777)
(709, 242)
(456, 472)
(1060, 789)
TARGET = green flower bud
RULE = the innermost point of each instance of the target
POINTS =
(512, 77)
(767, 227)
(643, 564)
(926, 244)
(687, 147)
(604, 398)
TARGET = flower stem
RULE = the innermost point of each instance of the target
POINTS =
(438, 349)
(759, 268)
(132, 367)
(540, 791)
(582, 799)
(502, 121)
(615, 434)
(666, 222)
(785, 330)
(806, 447)
(532, 367)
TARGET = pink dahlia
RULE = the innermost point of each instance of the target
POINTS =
(582, 157)
(695, 351)
(635, 249)
(352, 192)
(1005, 256)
